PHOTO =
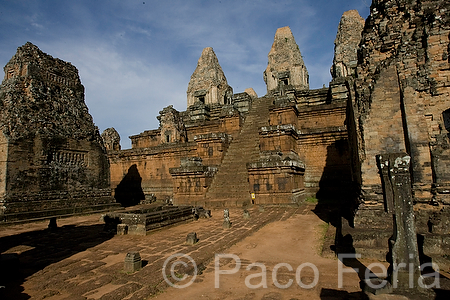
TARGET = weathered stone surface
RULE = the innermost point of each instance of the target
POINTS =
(201, 213)
(53, 161)
(208, 83)
(399, 103)
(397, 191)
(402, 60)
(286, 69)
(226, 218)
(191, 238)
(132, 262)
(346, 44)
(140, 221)
(111, 139)
(277, 178)
(251, 92)
(171, 126)
(191, 180)
(43, 95)
(122, 229)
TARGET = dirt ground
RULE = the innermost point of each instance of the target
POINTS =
(294, 242)
(271, 255)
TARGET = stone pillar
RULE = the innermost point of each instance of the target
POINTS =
(133, 262)
(226, 218)
(396, 176)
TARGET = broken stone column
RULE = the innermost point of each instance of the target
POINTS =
(396, 177)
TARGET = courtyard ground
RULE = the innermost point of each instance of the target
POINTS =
(79, 260)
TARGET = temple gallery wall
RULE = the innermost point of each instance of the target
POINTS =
(389, 93)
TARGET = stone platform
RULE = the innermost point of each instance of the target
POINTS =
(142, 220)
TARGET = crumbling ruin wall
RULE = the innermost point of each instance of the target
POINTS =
(399, 102)
(54, 161)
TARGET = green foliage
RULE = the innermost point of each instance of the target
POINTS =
(311, 199)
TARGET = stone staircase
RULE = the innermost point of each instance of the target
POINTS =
(230, 186)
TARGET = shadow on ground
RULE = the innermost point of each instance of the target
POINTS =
(27, 253)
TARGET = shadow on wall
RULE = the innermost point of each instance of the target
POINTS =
(129, 191)
(336, 196)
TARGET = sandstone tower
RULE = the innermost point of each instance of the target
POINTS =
(286, 68)
(208, 84)
(53, 161)
(346, 44)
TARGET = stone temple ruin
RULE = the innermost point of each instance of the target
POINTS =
(389, 94)
(237, 149)
(53, 161)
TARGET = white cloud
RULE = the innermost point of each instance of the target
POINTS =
(123, 92)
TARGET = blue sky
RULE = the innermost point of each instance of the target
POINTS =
(136, 57)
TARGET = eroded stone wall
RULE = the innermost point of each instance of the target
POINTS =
(399, 101)
(54, 158)
(402, 91)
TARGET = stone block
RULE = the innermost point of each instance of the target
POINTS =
(122, 229)
(191, 238)
(226, 224)
(133, 262)
(376, 286)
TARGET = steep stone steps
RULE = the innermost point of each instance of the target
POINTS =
(230, 185)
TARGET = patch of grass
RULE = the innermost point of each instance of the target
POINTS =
(312, 200)
(322, 231)
(179, 276)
